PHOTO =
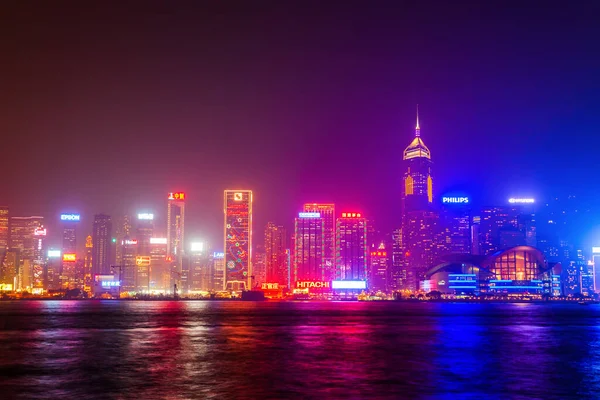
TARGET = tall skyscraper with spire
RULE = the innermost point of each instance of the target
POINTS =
(419, 220)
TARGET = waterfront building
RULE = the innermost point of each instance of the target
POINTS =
(238, 239)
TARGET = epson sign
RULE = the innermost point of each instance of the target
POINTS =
(455, 200)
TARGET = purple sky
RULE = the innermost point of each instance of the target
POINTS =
(107, 106)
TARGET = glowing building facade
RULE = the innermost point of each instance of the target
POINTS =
(378, 268)
(419, 221)
(351, 247)
(102, 239)
(175, 224)
(327, 212)
(87, 263)
(238, 239)
(4, 233)
(309, 247)
(276, 257)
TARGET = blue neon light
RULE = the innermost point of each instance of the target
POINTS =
(462, 287)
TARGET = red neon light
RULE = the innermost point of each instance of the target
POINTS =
(176, 196)
(351, 215)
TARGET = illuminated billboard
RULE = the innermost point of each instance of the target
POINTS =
(41, 231)
(218, 255)
(349, 284)
(69, 257)
(70, 217)
(521, 201)
(146, 216)
(312, 284)
(129, 241)
(176, 196)
(455, 200)
(158, 240)
(270, 286)
(110, 283)
(142, 261)
(309, 215)
(196, 247)
(351, 215)
(53, 253)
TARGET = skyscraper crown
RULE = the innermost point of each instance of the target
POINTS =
(417, 148)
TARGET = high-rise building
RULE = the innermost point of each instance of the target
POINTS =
(238, 239)
(309, 247)
(175, 224)
(378, 268)
(259, 266)
(351, 247)
(144, 232)
(455, 226)
(506, 227)
(201, 268)
(160, 274)
(276, 258)
(4, 233)
(69, 235)
(27, 236)
(327, 212)
(102, 239)
(124, 229)
(397, 271)
(128, 265)
(87, 264)
(419, 221)
(218, 268)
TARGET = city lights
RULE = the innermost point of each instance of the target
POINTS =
(146, 216)
(176, 196)
(351, 215)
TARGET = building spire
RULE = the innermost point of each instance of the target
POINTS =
(417, 129)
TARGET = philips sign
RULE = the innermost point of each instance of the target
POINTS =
(70, 217)
(455, 200)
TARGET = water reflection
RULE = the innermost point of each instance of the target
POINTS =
(152, 350)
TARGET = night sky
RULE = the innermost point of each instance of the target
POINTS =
(107, 107)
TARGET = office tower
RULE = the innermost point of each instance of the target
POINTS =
(309, 247)
(10, 267)
(238, 239)
(259, 266)
(275, 252)
(218, 267)
(397, 271)
(475, 229)
(69, 237)
(87, 264)
(54, 263)
(378, 268)
(327, 212)
(160, 274)
(201, 268)
(506, 227)
(455, 226)
(124, 229)
(419, 222)
(102, 239)
(175, 224)
(27, 236)
(4, 233)
(351, 247)
(128, 265)
(144, 232)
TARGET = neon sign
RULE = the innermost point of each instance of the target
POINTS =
(69, 257)
(270, 286)
(309, 215)
(455, 200)
(110, 283)
(218, 255)
(176, 196)
(378, 254)
(146, 216)
(349, 284)
(158, 240)
(70, 217)
(238, 196)
(312, 284)
(521, 201)
(142, 261)
(53, 253)
(350, 215)
(595, 250)
(130, 242)
(41, 231)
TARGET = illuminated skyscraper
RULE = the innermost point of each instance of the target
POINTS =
(69, 239)
(419, 221)
(27, 236)
(505, 227)
(327, 212)
(102, 239)
(144, 232)
(276, 258)
(201, 268)
(218, 268)
(378, 268)
(160, 273)
(351, 247)
(397, 271)
(87, 264)
(309, 247)
(175, 224)
(238, 239)
(4, 233)
(455, 228)
(124, 229)
(128, 270)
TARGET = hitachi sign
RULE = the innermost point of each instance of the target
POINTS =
(456, 200)
(312, 284)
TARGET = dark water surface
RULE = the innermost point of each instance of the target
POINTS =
(232, 350)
